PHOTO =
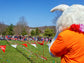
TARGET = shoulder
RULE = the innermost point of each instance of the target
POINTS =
(67, 34)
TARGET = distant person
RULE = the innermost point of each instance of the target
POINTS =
(50, 39)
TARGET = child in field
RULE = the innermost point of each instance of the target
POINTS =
(69, 40)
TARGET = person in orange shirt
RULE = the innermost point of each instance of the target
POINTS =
(69, 40)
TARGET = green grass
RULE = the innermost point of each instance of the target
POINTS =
(26, 54)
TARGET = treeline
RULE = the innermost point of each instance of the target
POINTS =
(47, 32)
(22, 28)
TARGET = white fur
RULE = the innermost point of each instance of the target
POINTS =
(71, 15)
(61, 7)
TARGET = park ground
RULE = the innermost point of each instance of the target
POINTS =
(29, 54)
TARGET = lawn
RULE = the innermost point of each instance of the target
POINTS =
(23, 54)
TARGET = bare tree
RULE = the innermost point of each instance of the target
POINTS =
(21, 24)
(2, 27)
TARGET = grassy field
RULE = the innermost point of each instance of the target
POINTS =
(23, 54)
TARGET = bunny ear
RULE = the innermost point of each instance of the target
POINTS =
(61, 7)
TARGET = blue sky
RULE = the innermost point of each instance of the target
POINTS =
(36, 12)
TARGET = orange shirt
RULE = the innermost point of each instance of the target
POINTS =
(69, 45)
